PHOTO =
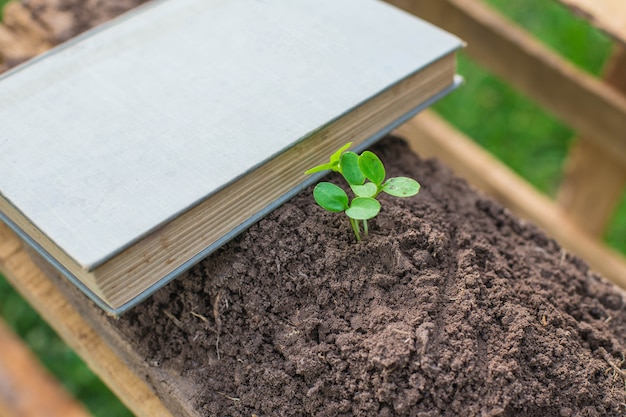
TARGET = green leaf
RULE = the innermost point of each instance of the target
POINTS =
(365, 190)
(320, 168)
(350, 170)
(363, 208)
(330, 197)
(334, 158)
(372, 167)
(401, 187)
(333, 164)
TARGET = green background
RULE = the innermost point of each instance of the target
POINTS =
(533, 143)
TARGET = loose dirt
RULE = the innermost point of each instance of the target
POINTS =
(450, 307)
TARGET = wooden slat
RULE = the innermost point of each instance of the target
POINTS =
(582, 101)
(594, 179)
(608, 15)
(431, 136)
(26, 388)
(37, 289)
(592, 186)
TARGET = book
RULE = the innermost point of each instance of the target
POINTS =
(135, 150)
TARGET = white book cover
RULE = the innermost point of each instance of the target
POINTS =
(112, 135)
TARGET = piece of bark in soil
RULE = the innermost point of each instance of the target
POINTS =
(450, 307)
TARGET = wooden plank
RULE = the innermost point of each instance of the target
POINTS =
(27, 389)
(608, 15)
(584, 102)
(592, 186)
(38, 290)
(431, 136)
(594, 180)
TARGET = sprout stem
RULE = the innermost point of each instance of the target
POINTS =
(355, 227)
(365, 231)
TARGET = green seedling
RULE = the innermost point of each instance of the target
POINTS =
(365, 174)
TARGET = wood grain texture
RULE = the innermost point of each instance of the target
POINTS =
(27, 389)
(595, 179)
(431, 136)
(33, 284)
(608, 15)
(582, 101)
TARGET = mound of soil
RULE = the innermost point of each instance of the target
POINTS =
(450, 307)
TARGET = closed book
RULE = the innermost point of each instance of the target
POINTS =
(136, 149)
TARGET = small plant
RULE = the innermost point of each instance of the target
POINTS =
(365, 174)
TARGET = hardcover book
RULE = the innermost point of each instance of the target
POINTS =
(135, 150)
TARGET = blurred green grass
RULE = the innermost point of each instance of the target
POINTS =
(513, 128)
(516, 130)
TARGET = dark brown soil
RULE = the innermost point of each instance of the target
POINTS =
(451, 307)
